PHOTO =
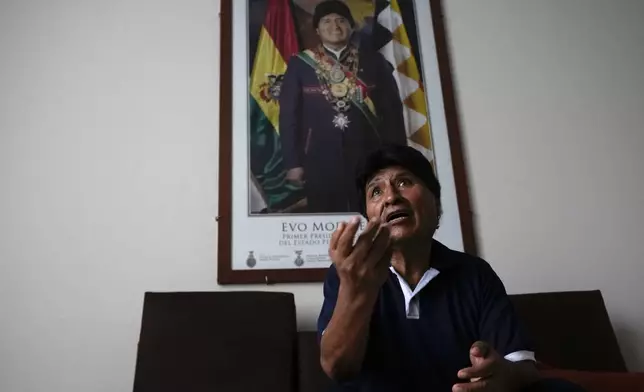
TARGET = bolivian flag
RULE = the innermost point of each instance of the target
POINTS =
(277, 42)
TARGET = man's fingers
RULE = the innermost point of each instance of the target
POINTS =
(484, 369)
(385, 258)
(345, 242)
(367, 238)
(370, 231)
(379, 247)
(335, 237)
(484, 363)
(481, 385)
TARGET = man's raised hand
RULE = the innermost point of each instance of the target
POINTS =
(363, 266)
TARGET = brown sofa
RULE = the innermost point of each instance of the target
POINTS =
(248, 341)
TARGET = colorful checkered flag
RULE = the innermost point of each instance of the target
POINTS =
(396, 39)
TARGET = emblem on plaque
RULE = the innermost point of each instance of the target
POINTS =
(251, 261)
(299, 261)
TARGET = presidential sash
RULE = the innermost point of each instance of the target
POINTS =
(341, 87)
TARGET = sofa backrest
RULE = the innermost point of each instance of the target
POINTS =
(247, 341)
(217, 341)
(570, 330)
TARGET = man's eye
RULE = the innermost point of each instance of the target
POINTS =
(404, 182)
(375, 192)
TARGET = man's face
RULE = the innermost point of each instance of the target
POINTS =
(403, 202)
(334, 29)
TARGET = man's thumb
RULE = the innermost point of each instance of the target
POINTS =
(479, 349)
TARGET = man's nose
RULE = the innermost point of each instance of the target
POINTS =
(391, 195)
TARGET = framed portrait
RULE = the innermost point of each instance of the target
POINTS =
(308, 89)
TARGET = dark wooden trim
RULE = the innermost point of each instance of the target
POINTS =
(304, 275)
(225, 273)
(224, 218)
(453, 130)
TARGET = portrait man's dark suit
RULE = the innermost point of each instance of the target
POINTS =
(329, 121)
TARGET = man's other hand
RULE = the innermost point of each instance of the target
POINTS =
(490, 372)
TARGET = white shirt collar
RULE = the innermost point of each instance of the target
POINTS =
(412, 306)
(337, 53)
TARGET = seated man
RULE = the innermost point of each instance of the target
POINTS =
(402, 312)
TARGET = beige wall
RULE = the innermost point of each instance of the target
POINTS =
(108, 165)
(552, 101)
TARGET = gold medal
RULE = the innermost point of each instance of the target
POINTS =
(336, 75)
(339, 90)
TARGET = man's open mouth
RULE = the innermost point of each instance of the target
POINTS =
(397, 216)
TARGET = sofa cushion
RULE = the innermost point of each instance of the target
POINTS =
(217, 341)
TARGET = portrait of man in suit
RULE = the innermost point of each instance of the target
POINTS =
(344, 86)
